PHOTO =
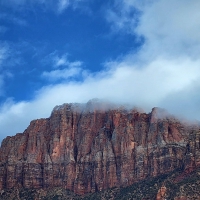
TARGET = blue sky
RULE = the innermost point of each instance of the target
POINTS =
(145, 53)
(36, 36)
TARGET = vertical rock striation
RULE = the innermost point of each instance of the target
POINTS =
(94, 146)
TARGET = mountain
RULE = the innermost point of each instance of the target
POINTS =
(92, 147)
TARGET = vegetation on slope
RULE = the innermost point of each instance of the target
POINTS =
(178, 183)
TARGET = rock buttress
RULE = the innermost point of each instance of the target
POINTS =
(88, 148)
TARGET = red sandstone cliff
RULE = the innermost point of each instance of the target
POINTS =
(91, 147)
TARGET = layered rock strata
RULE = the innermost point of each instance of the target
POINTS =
(91, 147)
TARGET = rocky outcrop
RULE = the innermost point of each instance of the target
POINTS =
(94, 146)
(161, 195)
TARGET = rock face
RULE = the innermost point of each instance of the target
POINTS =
(161, 193)
(94, 146)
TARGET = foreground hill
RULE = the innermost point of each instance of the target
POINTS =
(91, 147)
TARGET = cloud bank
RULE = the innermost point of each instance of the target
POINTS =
(68, 69)
(165, 72)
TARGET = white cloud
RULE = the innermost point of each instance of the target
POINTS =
(60, 61)
(63, 61)
(61, 73)
(165, 72)
(62, 5)
(72, 69)
(4, 54)
(123, 17)
(169, 27)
